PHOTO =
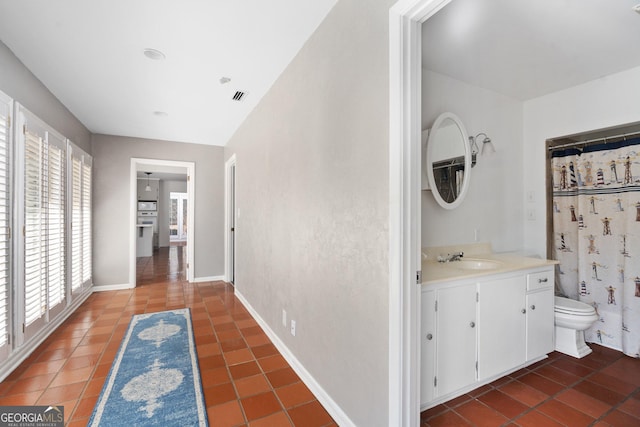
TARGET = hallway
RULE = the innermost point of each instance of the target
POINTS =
(246, 381)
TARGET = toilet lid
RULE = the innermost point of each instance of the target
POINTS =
(566, 305)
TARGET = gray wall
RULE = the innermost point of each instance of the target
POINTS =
(111, 165)
(166, 188)
(312, 190)
(20, 84)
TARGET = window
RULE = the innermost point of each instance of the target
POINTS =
(6, 106)
(80, 211)
(44, 165)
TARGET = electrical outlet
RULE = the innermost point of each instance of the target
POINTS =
(284, 318)
(531, 214)
(293, 328)
(531, 196)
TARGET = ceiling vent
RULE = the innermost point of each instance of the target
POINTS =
(238, 96)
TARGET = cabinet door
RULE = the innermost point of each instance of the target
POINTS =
(428, 347)
(540, 323)
(501, 325)
(456, 338)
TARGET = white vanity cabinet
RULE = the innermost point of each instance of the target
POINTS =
(476, 330)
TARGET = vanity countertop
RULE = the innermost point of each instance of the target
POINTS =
(437, 272)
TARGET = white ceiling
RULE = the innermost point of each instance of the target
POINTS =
(90, 56)
(529, 48)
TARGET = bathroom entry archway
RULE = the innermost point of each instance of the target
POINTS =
(139, 164)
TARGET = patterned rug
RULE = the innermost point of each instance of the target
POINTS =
(154, 379)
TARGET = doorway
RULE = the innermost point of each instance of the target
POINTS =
(160, 167)
(178, 214)
(232, 213)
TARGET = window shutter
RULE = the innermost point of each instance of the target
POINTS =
(5, 260)
(86, 222)
(55, 216)
(76, 221)
(34, 230)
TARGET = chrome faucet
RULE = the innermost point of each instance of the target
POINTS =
(451, 257)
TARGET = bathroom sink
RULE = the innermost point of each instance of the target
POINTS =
(476, 264)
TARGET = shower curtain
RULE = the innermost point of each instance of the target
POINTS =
(596, 225)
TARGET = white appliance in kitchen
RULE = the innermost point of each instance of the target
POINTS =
(149, 216)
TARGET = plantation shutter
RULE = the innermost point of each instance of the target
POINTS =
(55, 160)
(34, 229)
(86, 221)
(76, 222)
(5, 182)
(45, 281)
(80, 165)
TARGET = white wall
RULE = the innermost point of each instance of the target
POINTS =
(609, 101)
(493, 205)
(312, 188)
(167, 187)
(111, 171)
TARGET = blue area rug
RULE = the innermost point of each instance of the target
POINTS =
(154, 379)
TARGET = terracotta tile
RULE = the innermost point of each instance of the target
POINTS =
(480, 391)
(231, 345)
(537, 419)
(55, 395)
(29, 398)
(208, 349)
(503, 403)
(252, 385)
(260, 405)
(72, 376)
(26, 385)
(94, 387)
(583, 403)
(433, 412)
(626, 369)
(257, 340)
(238, 356)
(279, 419)
(309, 415)
(601, 393)
(226, 415)
(448, 419)
(631, 406)
(43, 368)
(252, 330)
(244, 370)
(523, 393)
(565, 414)
(210, 362)
(294, 394)
(264, 350)
(218, 394)
(215, 376)
(572, 367)
(84, 408)
(543, 384)
(612, 383)
(621, 419)
(272, 363)
(480, 415)
(458, 401)
(282, 377)
(81, 362)
(78, 423)
(558, 375)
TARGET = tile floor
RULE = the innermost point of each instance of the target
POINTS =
(601, 389)
(246, 381)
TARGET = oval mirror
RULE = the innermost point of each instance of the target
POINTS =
(448, 160)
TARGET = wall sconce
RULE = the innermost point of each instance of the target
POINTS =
(148, 187)
(487, 147)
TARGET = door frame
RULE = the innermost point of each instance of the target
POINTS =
(229, 218)
(179, 215)
(136, 165)
(405, 73)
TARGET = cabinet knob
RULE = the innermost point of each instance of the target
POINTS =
(524, 311)
(533, 307)
(545, 280)
(472, 324)
(429, 337)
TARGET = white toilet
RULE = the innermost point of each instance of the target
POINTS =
(571, 319)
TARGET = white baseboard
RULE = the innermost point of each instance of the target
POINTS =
(323, 397)
(112, 287)
(208, 279)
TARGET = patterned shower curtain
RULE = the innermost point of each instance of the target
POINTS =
(596, 224)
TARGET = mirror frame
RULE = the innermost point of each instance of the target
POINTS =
(467, 161)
